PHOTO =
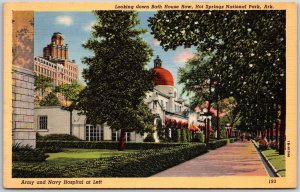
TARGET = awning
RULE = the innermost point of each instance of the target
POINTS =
(193, 128)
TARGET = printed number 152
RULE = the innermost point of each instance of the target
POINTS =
(272, 180)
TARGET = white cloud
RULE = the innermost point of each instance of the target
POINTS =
(64, 20)
(88, 26)
(154, 42)
(183, 56)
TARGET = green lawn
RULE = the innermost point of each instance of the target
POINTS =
(278, 161)
(68, 156)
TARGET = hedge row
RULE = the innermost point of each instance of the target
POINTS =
(103, 145)
(217, 143)
(57, 137)
(140, 164)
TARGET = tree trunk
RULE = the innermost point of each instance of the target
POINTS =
(276, 133)
(207, 121)
(263, 133)
(282, 129)
(207, 131)
(268, 134)
(218, 126)
(272, 132)
(122, 140)
(71, 122)
(276, 126)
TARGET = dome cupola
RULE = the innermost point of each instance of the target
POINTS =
(161, 76)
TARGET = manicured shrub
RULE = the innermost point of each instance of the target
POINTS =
(263, 145)
(35, 170)
(273, 145)
(199, 137)
(160, 130)
(38, 136)
(223, 133)
(140, 164)
(27, 153)
(178, 139)
(59, 137)
(167, 136)
(149, 138)
(188, 135)
(103, 145)
(231, 140)
(174, 135)
(217, 143)
(183, 135)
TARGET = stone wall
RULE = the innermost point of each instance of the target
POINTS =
(23, 106)
(23, 131)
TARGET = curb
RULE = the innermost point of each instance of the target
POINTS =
(273, 169)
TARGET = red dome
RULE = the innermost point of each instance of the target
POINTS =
(162, 77)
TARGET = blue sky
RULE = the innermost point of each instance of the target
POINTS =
(76, 27)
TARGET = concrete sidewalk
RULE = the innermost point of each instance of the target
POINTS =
(236, 159)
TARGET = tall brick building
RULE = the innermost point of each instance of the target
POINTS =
(55, 62)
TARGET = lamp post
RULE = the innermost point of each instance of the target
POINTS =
(228, 130)
(227, 127)
(205, 118)
(207, 123)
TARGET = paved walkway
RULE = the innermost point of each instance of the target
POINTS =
(236, 159)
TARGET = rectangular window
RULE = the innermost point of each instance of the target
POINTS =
(43, 122)
(128, 136)
(102, 132)
(93, 133)
(115, 135)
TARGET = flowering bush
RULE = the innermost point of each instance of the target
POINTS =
(263, 144)
(273, 145)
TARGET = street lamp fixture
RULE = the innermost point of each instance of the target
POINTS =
(228, 128)
(206, 118)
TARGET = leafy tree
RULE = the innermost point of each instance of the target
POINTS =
(42, 83)
(249, 49)
(50, 100)
(202, 78)
(70, 91)
(116, 77)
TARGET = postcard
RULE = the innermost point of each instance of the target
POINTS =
(150, 95)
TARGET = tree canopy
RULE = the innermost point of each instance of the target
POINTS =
(116, 77)
(50, 100)
(42, 83)
(248, 63)
(70, 92)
